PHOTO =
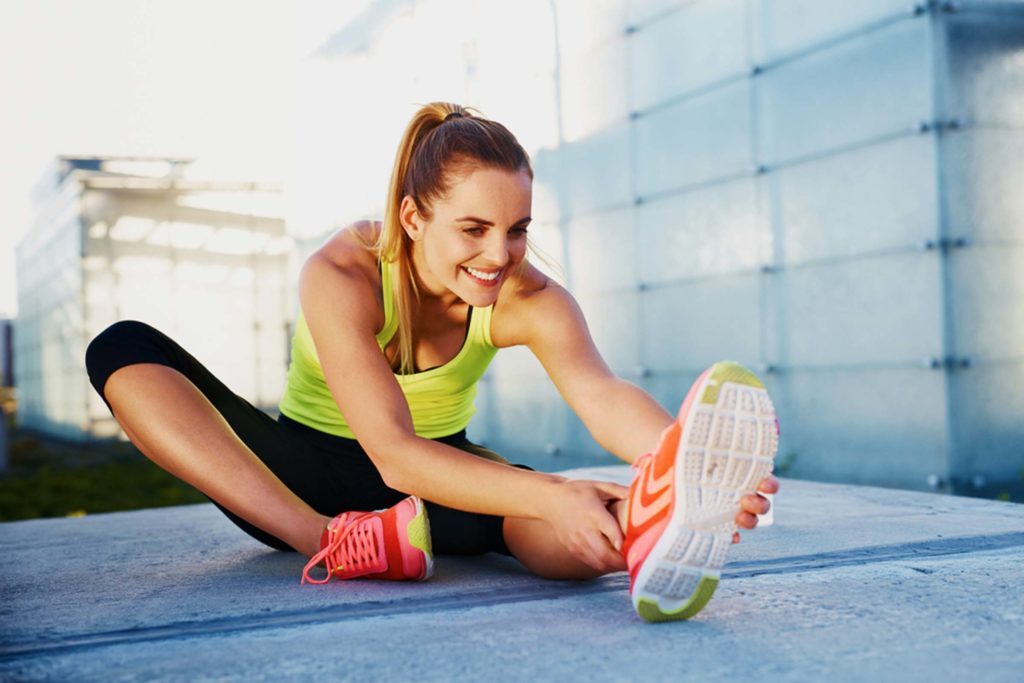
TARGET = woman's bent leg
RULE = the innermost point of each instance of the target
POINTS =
(175, 424)
(176, 427)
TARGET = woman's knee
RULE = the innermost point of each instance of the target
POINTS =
(115, 337)
(123, 343)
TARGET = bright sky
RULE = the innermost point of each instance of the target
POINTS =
(204, 78)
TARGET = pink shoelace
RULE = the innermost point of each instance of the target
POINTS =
(355, 546)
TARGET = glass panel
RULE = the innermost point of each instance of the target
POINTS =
(229, 351)
(984, 177)
(701, 43)
(689, 326)
(644, 10)
(987, 404)
(986, 68)
(872, 310)
(594, 90)
(215, 324)
(270, 307)
(988, 301)
(145, 291)
(579, 449)
(712, 230)
(602, 251)
(783, 26)
(512, 364)
(546, 192)
(612, 319)
(596, 171)
(872, 198)
(669, 389)
(479, 429)
(582, 24)
(832, 97)
(272, 364)
(885, 427)
(529, 423)
(699, 139)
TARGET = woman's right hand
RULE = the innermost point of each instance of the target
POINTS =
(578, 512)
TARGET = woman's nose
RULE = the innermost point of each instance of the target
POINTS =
(497, 251)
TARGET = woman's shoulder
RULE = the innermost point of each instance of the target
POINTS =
(346, 261)
(350, 248)
(529, 298)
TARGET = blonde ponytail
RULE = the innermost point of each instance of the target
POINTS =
(441, 139)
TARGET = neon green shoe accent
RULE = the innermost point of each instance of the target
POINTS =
(418, 531)
(649, 610)
(728, 371)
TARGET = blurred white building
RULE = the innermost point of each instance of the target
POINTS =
(129, 238)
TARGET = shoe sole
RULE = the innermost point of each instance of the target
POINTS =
(418, 533)
(727, 446)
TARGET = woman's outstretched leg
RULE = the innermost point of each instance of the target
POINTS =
(533, 542)
(176, 426)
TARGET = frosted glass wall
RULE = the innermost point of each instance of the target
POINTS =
(785, 183)
(825, 191)
(982, 178)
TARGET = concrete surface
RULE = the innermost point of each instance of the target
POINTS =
(851, 583)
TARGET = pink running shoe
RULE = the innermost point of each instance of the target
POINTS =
(391, 544)
(686, 493)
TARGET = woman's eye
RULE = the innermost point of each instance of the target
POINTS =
(519, 232)
(474, 231)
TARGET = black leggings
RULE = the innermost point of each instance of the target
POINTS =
(330, 473)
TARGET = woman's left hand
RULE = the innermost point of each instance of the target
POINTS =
(754, 504)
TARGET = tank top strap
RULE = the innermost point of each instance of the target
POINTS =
(480, 326)
(388, 294)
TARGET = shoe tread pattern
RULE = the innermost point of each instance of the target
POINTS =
(727, 450)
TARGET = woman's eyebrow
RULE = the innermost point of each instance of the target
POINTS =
(481, 221)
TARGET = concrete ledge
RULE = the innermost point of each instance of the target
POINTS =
(852, 583)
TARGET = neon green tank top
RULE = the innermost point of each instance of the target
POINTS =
(440, 399)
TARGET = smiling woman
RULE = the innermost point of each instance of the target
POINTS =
(399, 320)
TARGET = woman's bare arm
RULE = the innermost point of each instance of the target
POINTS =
(622, 418)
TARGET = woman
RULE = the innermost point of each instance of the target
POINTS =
(398, 321)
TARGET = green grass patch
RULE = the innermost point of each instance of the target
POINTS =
(50, 479)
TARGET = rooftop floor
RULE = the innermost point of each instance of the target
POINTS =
(852, 583)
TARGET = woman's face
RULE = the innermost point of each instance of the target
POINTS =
(476, 236)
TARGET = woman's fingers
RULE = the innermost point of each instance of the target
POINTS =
(612, 531)
(607, 557)
(610, 491)
(589, 551)
(769, 484)
(746, 520)
(754, 504)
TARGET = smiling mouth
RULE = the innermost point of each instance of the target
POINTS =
(483, 277)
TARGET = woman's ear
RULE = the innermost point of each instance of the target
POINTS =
(410, 218)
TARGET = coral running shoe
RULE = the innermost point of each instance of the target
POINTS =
(686, 493)
(389, 544)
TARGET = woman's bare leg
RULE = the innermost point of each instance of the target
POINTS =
(533, 542)
(177, 427)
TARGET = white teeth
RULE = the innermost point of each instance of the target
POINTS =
(482, 275)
